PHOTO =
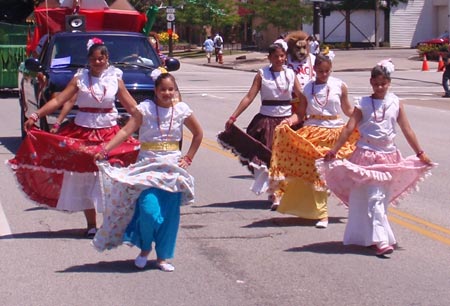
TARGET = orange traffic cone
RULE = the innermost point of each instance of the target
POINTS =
(425, 63)
(441, 65)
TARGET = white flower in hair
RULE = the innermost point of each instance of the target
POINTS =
(387, 65)
(282, 43)
(157, 72)
(93, 41)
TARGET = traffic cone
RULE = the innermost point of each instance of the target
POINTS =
(425, 63)
(220, 57)
(441, 65)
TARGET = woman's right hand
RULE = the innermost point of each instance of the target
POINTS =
(425, 159)
(99, 156)
(230, 122)
(330, 155)
(286, 121)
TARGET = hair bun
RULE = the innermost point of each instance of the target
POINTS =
(387, 65)
(94, 41)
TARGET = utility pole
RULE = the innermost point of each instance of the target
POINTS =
(377, 23)
(448, 17)
(316, 19)
(170, 16)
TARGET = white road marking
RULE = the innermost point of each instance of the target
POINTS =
(5, 230)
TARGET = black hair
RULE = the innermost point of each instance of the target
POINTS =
(164, 76)
(103, 49)
(380, 70)
(274, 47)
(320, 58)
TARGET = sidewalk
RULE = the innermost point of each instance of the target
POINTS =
(345, 60)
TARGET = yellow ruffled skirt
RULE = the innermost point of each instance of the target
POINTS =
(293, 171)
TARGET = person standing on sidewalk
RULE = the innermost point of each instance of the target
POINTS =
(218, 46)
(208, 46)
(446, 77)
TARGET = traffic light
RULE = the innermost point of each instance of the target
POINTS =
(325, 11)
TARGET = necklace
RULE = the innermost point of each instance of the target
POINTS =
(159, 123)
(282, 90)
(378, 120)
(314, 94)
(91, 88)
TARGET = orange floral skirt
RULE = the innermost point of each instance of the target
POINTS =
(294, 153)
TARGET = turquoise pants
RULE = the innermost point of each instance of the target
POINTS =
(156, 219)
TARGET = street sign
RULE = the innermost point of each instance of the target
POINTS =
(170, 17)
(170, 10)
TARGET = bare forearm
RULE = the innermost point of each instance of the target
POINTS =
(131, 126)
(195, 145)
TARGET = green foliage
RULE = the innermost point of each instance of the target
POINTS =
(433, 51)
(282, 14)
(216, 13)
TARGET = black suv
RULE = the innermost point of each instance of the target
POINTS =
(65, 52)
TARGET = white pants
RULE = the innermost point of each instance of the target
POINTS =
(79, 191)
(367, 219)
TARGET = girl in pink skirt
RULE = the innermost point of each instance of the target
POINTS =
(376, 174)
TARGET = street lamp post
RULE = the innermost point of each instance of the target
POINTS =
(377, 23)
(170, 16)
(448, 17)
(316, 19)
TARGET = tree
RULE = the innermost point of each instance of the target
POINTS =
(282, 14)
(197, 15)
(16, 11)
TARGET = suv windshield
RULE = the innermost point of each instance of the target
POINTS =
(71, 51)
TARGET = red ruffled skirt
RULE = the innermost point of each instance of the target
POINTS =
(43, 158)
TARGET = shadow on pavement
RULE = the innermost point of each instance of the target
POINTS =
(8, 93)
(242, 177)
(333, 247)
(258, 204)
(336, 247)
(11, 143)
(62, 234)
(117, 266)
(291, 221)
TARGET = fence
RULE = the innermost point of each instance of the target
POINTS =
(13, 39)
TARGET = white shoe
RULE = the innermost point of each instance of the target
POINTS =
(166, 267)
(274, 206)
(140, 262)
(90, 233)
(322, 224)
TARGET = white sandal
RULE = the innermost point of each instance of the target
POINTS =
(140, 262)
(166, 267)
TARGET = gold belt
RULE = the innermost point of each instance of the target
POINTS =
(160, 146)
(323, 117)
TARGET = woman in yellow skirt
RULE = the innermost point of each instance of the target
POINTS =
(292, 171)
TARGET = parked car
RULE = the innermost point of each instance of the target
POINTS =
(440, 40)
(65, 52)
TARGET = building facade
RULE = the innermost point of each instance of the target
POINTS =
(406, 25)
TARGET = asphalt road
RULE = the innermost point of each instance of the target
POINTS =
(232, 250)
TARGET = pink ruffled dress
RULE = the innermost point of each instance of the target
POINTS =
(375, 175)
